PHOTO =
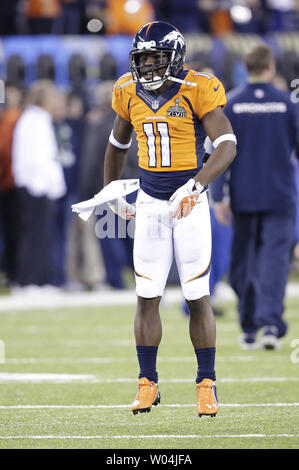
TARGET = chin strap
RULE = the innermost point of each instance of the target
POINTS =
(185, 82)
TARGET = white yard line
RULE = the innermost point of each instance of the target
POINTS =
(169, 405)
(110, 360)
(13, 377)
(156, 436)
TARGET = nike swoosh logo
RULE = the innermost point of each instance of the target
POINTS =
(215, 89)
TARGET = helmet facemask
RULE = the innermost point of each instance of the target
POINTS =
(169, 60)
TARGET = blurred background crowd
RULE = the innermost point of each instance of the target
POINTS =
(123, 16)
(58, 62)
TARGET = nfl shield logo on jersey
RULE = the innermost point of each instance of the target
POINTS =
(155, 104)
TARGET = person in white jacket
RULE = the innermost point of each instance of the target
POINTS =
(39, 180)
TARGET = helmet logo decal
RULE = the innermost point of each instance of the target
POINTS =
(174, 36)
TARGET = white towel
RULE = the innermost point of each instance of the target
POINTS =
(114, 190)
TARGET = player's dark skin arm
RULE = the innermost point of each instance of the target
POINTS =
(115, 158)
(216, 124)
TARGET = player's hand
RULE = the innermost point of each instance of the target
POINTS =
(223, 213)
(184, 199)
(122, 208)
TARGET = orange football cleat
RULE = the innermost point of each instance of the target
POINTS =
(207, 403)
(148, 394)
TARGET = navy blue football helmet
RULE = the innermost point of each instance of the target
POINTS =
(157, 37)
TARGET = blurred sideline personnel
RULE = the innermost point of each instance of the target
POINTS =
(262, 199)
(41, 15)
(39, 181)
(8, 213)
(69, 124)
(116, 252)
(172, 110)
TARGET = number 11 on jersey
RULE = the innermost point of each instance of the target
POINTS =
(163, 132)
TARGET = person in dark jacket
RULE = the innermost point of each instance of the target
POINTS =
(262, 199)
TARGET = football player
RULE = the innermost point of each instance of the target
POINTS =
(172, 110)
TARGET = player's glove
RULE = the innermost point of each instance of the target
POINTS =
(184, 198)
(122, 208)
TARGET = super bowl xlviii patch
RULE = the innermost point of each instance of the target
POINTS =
(176, 111)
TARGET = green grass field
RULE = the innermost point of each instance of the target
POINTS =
(69, 376)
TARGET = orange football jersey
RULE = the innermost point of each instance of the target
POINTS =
(168, 126)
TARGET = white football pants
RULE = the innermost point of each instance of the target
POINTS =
(159, 238)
